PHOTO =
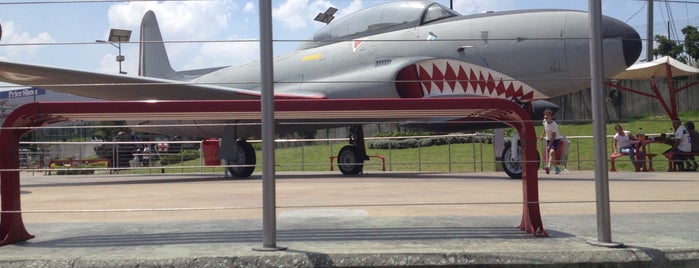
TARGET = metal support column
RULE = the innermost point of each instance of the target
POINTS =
(269, 216)
(604, 235)
(649, 32)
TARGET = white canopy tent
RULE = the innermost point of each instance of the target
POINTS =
(665, 68)
(661, 68)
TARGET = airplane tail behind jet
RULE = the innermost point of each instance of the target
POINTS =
(153, 59)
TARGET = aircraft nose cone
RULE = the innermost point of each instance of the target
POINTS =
(631, 41)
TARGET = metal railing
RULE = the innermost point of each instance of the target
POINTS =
(435, 153)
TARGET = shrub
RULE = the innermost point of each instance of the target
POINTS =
(402, 133)
(184, 155)
(425, 142)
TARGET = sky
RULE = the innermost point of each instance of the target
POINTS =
(210, 33)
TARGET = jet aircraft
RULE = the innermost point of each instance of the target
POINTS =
(402, 49)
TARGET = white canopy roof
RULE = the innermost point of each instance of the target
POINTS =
(657, 69)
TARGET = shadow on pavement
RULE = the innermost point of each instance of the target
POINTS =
(301, 235)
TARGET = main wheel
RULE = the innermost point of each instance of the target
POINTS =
(514, 168)
(245, 157)
(349, 162)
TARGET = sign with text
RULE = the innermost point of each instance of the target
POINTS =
(24, 92)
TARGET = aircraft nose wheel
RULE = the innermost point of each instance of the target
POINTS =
(245, 156)
(349, 161)
(513, 164)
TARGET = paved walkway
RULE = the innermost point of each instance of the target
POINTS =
(381, 219)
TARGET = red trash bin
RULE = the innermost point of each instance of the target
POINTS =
(210, 147)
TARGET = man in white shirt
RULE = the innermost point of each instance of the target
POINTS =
(694, 140)
(681, 143)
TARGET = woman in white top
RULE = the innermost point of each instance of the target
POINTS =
(622, 144)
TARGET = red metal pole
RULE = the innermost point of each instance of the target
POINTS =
(11, 225)
(671, 88)
(660, 98)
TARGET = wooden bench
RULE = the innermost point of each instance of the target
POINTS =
(614, 156)
(671, 154)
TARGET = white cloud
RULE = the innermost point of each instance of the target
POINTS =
(353, 6)
(185, 20)
(108, 64)
(290, 15)
(18, 45)
(249, 7)
(296, 14)
(216, 27)
(299, 14)
(226, 53)
(198, 21)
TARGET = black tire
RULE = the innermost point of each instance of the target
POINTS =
(246, 156)
(349, 162)
(514, 169)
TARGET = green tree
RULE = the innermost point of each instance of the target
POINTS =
(667, 47)
(691, 42)
(109, 131)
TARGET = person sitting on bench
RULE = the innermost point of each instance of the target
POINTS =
(694, 141)
(622, 144)
(680, 144)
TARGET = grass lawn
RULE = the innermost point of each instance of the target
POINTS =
(470, 157)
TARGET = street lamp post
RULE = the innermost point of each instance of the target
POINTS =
(118, 36)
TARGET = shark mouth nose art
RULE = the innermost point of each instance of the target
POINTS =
(434, 78)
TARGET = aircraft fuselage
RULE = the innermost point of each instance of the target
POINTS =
(546, 50)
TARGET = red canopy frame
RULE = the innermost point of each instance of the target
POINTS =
(34, 115)
(671, 107)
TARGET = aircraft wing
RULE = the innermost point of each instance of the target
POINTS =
(123, 87)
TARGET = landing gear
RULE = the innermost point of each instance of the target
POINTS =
(350, 159)
(511, 163)
(245, 158)
(512, 159)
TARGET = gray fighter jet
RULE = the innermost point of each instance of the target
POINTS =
(403, 49)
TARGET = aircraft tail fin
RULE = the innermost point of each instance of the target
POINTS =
(153, 59)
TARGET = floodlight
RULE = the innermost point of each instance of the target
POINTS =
(331, 11)
(327, 16)
(119, 35)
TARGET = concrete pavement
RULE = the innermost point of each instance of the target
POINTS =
(380, 219)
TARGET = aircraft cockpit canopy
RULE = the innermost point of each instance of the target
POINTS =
(380, 19)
